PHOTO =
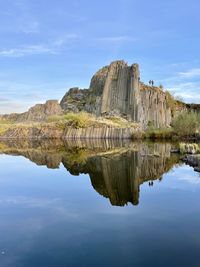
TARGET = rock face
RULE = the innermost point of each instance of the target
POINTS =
(39, 112)
(116, 90)
(49, 131)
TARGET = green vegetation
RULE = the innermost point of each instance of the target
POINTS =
(187, 124)
(159, 133)
(171, 102)
(184, 126)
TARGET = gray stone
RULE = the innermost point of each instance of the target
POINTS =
(116, 90)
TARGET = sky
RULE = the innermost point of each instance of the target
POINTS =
(48, 46)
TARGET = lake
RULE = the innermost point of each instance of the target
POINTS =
(97, 203)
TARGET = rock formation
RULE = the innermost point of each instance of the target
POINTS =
(116, 90)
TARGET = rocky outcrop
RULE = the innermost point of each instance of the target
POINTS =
(193, 161)
(54, 131)
(155, 110)
(116, 90)
(103, 132)
(37, 113)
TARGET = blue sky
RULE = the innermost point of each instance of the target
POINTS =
(48, 46)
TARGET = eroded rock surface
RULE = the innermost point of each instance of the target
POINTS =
(116, 90)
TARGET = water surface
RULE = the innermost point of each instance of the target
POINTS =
(97, 204)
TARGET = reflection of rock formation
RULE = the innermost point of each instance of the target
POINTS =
(116, 169)
(119, 176)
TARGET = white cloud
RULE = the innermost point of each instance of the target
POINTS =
(26, 51)
(192, 73)
(63, 39)
(115, 39)
(49, 48)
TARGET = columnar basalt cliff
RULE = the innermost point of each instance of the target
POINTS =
(122, 106)
(116, 90)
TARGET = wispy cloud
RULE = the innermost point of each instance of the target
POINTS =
(192, 73)
(66, 37)
(185, 84)
(38, 49)
(115, 39)
(26, 51)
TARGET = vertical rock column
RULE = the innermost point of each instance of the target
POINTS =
(134, 97)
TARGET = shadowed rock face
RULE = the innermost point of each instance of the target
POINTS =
(116, 90)
(116, 168)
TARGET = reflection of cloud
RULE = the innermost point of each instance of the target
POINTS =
(186, 176)
(31, 202)
(54, 204)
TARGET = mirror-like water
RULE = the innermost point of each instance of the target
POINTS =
(97, 204)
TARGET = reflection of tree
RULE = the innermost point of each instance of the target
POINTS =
(116, 170)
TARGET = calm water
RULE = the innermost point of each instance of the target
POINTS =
(97, 205)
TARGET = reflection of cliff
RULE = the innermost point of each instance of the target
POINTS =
(118, 177)
(116, 169)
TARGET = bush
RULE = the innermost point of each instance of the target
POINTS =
(186, 124)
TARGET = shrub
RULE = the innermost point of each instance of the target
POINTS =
(186, 124)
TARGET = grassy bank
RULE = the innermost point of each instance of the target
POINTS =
(186, 126)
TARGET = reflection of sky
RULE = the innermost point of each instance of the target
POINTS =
(50, 218)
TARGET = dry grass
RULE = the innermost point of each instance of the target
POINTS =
(84, 120)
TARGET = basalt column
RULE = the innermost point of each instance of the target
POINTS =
(115, 90)
(134, 97)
